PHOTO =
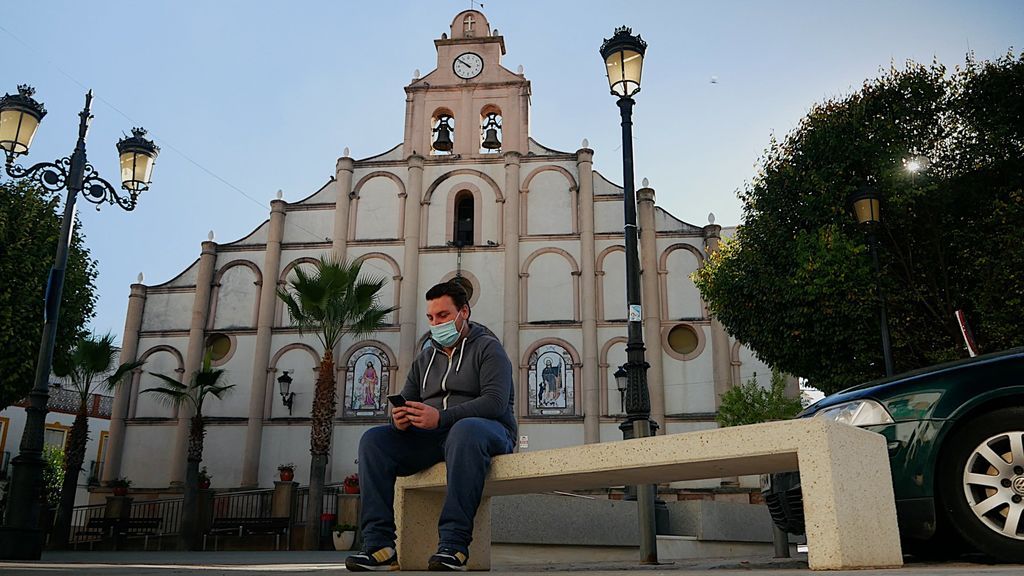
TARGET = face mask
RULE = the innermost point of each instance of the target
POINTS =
(445, 334)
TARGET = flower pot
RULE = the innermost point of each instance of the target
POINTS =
(120, 490)
(350, 489)
(344, 540)
(287, 475)
(204, 484)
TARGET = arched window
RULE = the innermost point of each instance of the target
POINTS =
(463, 233)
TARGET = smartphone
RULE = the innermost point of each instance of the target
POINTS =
(396, 400)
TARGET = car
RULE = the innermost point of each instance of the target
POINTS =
(955, 436)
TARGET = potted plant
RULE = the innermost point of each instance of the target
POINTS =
(351, 484)
(204, 479)
(119, 486)
(344, 536)
(286, 471)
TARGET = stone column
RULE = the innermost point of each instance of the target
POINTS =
(410, 293)
(592, 387)
(510, 310)
(261, 356)
(343, 175)
(720, 361)
(194, 356)
(652, 303)
(123, 395)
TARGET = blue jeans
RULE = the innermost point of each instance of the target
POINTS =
(386, 453)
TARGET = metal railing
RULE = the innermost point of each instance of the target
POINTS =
(247, 504)
(168, 510)
(330, 503)
(80, 517)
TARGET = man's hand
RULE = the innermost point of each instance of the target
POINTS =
(400, 418)
(422, 416)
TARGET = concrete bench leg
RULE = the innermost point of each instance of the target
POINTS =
(416, 514)
(849, 509)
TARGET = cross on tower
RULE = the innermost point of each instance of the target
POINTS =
(468, 25)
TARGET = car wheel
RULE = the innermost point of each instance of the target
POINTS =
(981, 482)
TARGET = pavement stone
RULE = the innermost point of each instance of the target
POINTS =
(82, 563)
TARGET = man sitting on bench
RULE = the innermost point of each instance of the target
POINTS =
(457, 407)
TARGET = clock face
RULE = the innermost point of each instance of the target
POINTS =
(468, 65)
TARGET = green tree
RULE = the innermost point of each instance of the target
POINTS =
(951, 237)
(191, 397)
(83, 372)
(330, 302)
(29, 228)
(53, 473)
(751, 403)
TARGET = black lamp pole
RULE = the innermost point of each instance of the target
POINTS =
(867, 208)
(21, 537)
(623, 54)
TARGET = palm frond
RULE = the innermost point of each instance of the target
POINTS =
(115, 379)
(169, 396)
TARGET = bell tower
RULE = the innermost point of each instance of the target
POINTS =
(469, 106)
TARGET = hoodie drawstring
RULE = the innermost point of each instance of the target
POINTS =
(462, 353)
(427, 372)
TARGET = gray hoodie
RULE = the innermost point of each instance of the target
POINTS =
(475, 381)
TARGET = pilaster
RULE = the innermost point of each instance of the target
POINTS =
(123, 394)
(592, 387)
(343, 176)
(720, 350)
(410, 292)
(652, 303)
(264, 334)
(510, 311)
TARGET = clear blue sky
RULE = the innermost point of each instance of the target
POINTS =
(246, 97)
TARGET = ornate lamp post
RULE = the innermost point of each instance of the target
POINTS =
(284, 382)
(623, 56)
(865, 203)
(21, 536)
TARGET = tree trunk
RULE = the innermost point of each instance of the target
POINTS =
(321, 428)
(73, 459)
(190, 538)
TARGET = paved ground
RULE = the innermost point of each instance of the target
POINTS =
(290, 563)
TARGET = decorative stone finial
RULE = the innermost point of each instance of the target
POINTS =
(645, 183)
(711, 217)
(416, 74)
(444, 36)
(585, 143)
(280, 193)
(494, 32)
(519, 70)
(139, 278)
(345, 152)
(210, 236)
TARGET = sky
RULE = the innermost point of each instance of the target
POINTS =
(249, 97)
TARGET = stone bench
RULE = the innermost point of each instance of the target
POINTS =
(847, 487)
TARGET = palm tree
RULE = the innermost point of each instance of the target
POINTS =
(82, 370)
(331, 302)
(205, 382)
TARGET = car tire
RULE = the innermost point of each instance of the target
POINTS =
(981, 483)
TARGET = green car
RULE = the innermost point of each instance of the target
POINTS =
(955, 434)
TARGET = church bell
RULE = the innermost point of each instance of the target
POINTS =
(491, 126)
(443, 142)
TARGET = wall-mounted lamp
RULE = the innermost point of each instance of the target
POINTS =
(621, 381)
(284, 382)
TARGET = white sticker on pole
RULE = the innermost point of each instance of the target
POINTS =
(634, 313)
(524, 441)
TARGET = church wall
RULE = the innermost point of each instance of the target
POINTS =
(309, 225)
(608, 216)
(345, 450)
(381, 262)
(689, 384)
(550, 201)
(612, 341)
(237, 297)
(148, 451)
(162, 356)
(440, 212)
(548, 436)
(257, 236)
(167, 311)
(678, 292)
(325, 195)
(185, 279)
(222, 453)
(237, 371)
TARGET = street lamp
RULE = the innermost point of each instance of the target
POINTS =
(284, 382)
(623, 56)
(866, 207)
(21, 537)
(620, 383)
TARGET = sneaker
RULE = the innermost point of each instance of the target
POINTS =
(447, 559)
(380, 560)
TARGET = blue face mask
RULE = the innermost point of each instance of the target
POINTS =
(446, 334)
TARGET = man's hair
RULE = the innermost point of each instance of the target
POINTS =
(452, 289)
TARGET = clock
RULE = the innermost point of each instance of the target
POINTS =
(468, 65)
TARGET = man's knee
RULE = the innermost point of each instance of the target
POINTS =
(470, 433)
(376, 438)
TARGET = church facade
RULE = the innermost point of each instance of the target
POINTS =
(534, 233)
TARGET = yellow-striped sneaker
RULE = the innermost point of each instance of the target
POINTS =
(447, 559)
(380, 560)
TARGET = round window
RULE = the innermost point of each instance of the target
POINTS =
(683, 339)
(466, 285)
(219, 346)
